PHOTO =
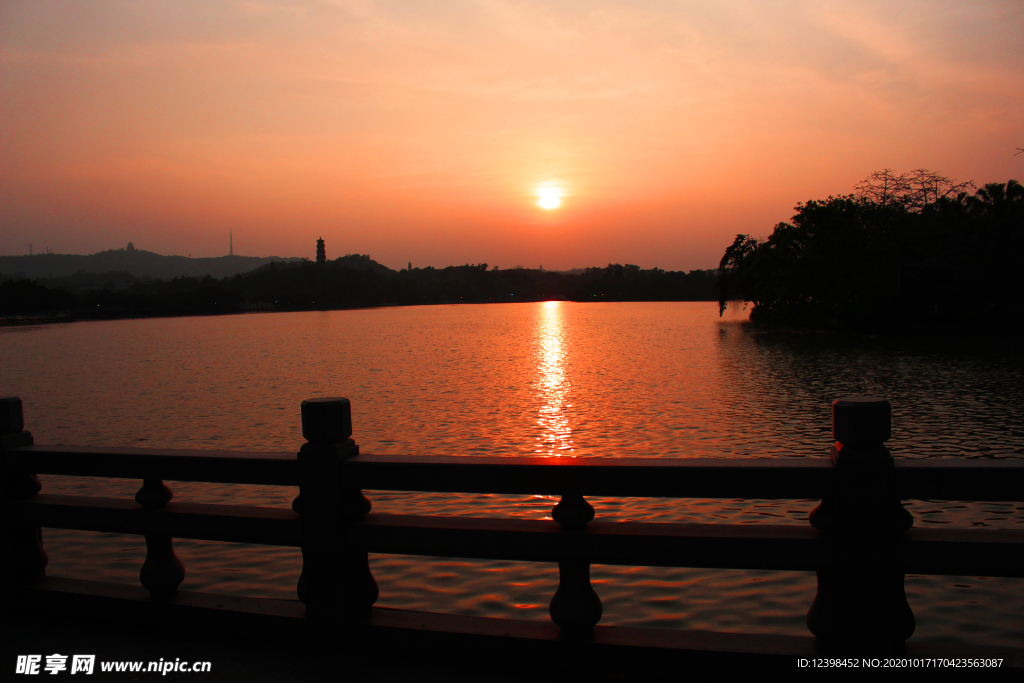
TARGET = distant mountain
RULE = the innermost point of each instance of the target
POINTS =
(142, 264)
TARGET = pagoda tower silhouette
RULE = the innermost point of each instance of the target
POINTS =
(321, 253)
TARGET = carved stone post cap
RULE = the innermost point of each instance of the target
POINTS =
(326, 420)
(12, 420)
(861, 421)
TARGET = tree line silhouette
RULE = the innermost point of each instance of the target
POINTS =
(351, 281)
(903, 250)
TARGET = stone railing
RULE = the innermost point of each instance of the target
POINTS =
(860, 539)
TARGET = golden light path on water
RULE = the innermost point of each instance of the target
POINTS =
(555, 434)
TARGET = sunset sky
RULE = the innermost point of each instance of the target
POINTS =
(430, 131)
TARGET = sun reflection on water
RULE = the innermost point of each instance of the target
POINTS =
(555, 435)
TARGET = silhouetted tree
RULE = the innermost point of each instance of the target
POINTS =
(24, 297)
(913, 191)
(905, 248)
(730, 270)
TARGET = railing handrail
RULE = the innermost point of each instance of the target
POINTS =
(278, 468)
(753, 478)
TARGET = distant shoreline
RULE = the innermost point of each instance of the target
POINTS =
(349, 282)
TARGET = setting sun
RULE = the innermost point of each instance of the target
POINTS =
(550, 197)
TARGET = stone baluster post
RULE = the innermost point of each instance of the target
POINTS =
(336, 579)
(575, 607)
(162, 572)
(861, 601)
(26, 560)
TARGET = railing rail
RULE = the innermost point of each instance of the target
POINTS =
(218, 467)
(860, 542)
(760, 478)
(227, 523)
(974, 552)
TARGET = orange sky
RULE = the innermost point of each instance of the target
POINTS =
(421, 130)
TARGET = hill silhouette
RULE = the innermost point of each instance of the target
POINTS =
(137, 262)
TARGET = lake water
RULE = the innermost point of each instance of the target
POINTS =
(558, 379)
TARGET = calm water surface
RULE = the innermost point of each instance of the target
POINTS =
(661, 380)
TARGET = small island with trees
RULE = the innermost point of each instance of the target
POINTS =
(904, 251)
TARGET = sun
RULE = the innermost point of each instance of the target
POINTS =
(550, 197)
